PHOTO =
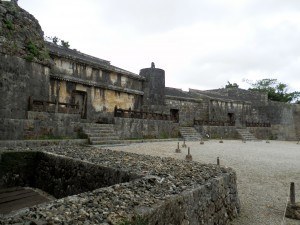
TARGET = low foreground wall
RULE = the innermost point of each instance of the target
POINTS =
(144, 189)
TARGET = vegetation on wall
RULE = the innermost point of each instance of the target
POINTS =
(231, 85)
(276, 90)
(21, 34)
(55, 40)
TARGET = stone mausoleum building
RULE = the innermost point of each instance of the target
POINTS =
(50, 91)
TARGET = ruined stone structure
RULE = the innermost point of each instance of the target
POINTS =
(50, 90)
(95, 186)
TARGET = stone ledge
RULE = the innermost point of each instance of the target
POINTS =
(38, 143)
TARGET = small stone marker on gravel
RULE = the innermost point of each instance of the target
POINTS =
(244, 140)
(189, 157)
(218, 161)
(267, 141)
(293, 208)
(201, 142)
(183, 145)
(177, 150)
(221, 141)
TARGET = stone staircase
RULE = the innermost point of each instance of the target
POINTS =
(101, 134)
(246, 135)
(190, 134)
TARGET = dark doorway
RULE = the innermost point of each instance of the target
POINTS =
(174, 115)
(80, 98)
(231, 117)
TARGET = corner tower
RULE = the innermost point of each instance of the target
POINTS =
(154, 88)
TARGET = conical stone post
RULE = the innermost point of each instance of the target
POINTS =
(177, 150)
(189, 157)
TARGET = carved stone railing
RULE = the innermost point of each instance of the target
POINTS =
(53, 106)
(257, 124)
(213, 123)
(123, 113)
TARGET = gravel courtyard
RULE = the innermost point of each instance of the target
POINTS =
(264, 172)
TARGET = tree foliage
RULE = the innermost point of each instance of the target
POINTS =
(276, 90)
(231, 85)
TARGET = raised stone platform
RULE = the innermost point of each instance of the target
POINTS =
(144, 189)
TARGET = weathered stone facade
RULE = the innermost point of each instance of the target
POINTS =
(59, 80)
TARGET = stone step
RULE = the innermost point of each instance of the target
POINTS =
(106, 142)
(91, 134)
(246, 135)
(100, 133)
(100, 126)
(189, 133)
(103, 138)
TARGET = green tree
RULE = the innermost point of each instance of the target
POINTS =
(276, 91)
(55, 40)
(65, 44)
(231, 85)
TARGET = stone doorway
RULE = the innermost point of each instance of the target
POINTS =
(80, 98)
(174, 115)
(231, 117)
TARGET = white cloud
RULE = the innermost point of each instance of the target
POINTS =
(200, 44)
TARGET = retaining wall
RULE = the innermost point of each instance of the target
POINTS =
(129, 128)
(226, 132)
(57, 175)
(212, 203)
(40, 125)
(190, 193)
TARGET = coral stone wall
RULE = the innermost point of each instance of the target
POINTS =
(41, 125)
(20, 79)
(160, 190)
(188, 110)
(56, 175)
(129, 128)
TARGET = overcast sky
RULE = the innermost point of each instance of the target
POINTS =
(200, 44)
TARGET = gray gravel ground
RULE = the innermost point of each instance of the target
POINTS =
(264, 172)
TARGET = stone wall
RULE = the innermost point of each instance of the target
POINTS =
(281, 117)
(20, 34)
(188, 110)
(20, 79)
(226, 132)
(129, 128)
(57, 175)
(296, 114)
(213, 202)
(41, 125)
(242, 95)
(220, 110)
(104, 89)
(263, 133)
(160, 190)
